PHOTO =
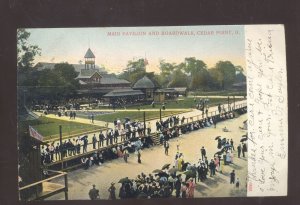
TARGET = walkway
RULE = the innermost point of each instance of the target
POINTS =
(81, 181)
(196, 114)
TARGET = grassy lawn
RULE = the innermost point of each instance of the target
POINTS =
(134, 115)
(220, 93)
(180, 103)
(186, 103)
(49, 128)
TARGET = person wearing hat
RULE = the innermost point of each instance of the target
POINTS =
(112, 191)
(203, 153)
(94, 193)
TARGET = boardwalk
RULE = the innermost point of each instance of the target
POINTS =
(80, 181)
(196, 114)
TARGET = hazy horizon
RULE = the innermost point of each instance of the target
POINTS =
(208, 43)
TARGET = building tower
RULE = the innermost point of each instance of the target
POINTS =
(89, 58)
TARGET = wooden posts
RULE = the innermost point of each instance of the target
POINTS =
(160, 114)
(61, 145)
(66, 187)
(233, 102)
(144, 123)
(228, 103)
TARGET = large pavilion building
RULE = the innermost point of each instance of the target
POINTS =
(95, 82)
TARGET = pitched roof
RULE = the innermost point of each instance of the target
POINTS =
(112, 80)
(78, 67)
(89, 54)
(144, 82)
(89, 72)
(123, 92)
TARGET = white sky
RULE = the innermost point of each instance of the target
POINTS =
(113, 52)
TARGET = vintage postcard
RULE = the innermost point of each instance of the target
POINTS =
(113, 113)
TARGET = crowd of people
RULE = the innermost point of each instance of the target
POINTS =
(180, 180)
(129, 132)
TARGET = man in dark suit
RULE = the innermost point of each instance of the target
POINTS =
(101, 139)
(94, 193)
(203, 153)
(232, 177)
(94, 141)
(239, 149)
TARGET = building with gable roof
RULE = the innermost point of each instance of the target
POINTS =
(94, 80)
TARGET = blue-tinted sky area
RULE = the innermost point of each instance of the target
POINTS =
(115, 46)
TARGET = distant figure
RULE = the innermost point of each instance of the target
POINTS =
(231, 143)
(239, 149)
(139, 156)
(166, 146)
(225, 129)
(92, 117)
(237, 184)
(94, 141)
(112, 191)
(203, 153)
(177, 146)
(94, 193)
(244, 149)
(232, 177)
(125, 155)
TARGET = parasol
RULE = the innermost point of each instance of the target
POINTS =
(244, 139)
(219, 153)
(162, 174)
(124, 180)
(189, 174)
(83, 137)
(218, 137)
(157, 171)
(166, 166)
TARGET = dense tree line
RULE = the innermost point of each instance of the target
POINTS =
(191, 73)
(60, 82)
(50, 84)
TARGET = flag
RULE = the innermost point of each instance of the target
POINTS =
(33, 133)
(145, 61)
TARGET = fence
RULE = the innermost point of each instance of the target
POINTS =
(44, 188)
(74, 161)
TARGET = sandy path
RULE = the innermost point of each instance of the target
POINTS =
(80, 181)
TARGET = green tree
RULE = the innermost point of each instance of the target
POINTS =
(197, 69)
(166, 70)
(134, 70)
(178, 79)
(193, 66)
(224, 74)
(25, 52)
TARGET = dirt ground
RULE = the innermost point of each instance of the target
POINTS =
(81, 181)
